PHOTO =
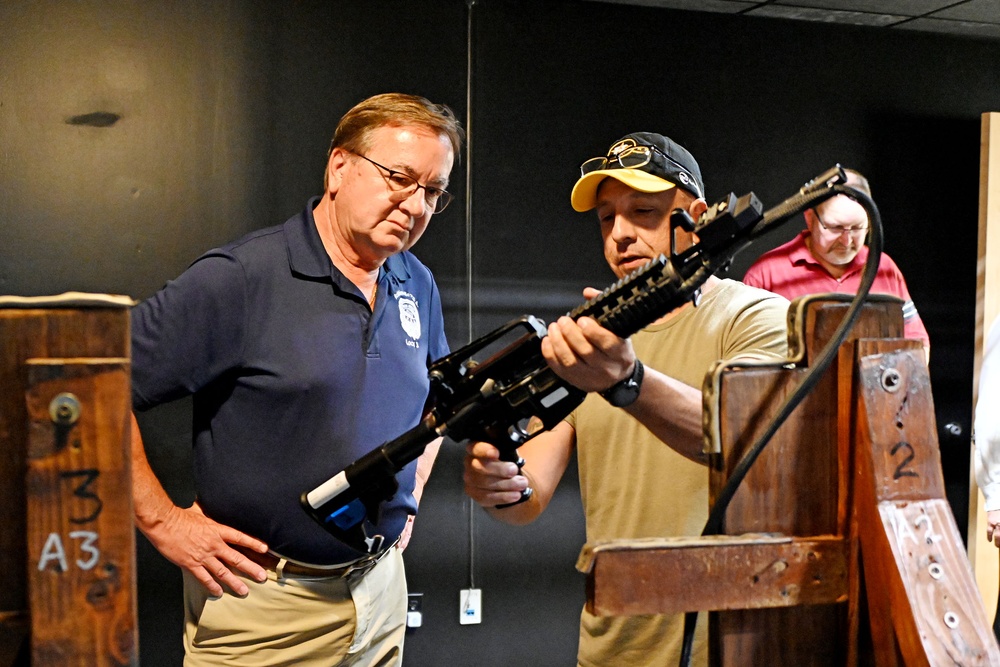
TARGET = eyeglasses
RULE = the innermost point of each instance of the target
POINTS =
(837, 230)
(402, 186)
(633, 157)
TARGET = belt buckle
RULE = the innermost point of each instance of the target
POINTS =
(363, 566)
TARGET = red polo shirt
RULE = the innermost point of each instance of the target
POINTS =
(791, 271)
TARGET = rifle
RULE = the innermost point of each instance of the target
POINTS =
(501, 399)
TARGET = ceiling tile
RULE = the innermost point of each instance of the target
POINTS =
(968, 28)
(975, 18)
(901, 7)
(825, 15)
(986, 11)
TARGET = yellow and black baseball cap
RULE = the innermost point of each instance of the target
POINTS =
(644, 161)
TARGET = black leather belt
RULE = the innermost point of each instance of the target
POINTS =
(283, 567)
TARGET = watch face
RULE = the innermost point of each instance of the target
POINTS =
(627, 391)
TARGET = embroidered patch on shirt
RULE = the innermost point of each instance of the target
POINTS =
(409, 317)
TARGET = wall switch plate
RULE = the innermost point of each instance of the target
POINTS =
(470, 606)
(414, 610)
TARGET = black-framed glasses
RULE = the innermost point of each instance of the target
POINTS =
(402, 186)
(837, 230)
(632, 157)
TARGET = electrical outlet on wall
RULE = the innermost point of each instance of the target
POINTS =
(470, 606)
(414, 610)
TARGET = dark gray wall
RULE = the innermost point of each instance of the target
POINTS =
(226, 110)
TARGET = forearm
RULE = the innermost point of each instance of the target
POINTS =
(151, 504)
(186, 537)
(593, 359)
(491, 482)
(425, 462)
(672, 411)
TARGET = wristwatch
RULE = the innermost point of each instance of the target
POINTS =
(625, 392)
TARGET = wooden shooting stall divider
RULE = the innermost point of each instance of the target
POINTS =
(67, 543)
(839, 546)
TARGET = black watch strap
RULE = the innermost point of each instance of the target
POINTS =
(626, 392)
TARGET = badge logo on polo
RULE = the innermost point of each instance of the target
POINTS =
(409, 316)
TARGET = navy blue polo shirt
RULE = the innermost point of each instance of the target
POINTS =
(293, 377)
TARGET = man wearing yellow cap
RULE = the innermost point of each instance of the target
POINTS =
(638, 436)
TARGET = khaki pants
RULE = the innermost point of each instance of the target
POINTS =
(301, 621)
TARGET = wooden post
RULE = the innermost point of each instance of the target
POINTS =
(840, 548)
(806, 461)
(68, 556)
(984, 557)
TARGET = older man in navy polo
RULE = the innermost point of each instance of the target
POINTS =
(304, 346)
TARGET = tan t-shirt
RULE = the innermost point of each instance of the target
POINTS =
(633, 485)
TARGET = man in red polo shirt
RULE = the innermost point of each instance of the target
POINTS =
(829, 256)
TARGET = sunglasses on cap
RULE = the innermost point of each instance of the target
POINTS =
(632, 157)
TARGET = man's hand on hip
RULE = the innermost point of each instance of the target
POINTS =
(191, 540)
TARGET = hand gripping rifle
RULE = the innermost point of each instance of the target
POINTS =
(494, 400)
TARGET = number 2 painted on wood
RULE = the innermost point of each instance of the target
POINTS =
(901, 468)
